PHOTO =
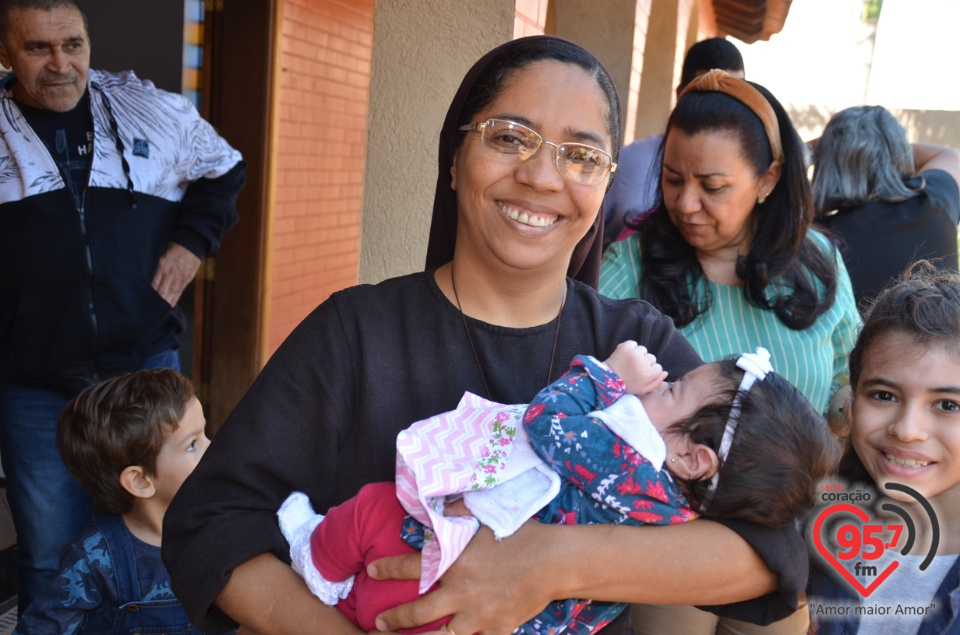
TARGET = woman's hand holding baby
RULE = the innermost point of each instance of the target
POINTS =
(637, 367)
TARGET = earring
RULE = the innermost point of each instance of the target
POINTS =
(673, 460)
(761, 199)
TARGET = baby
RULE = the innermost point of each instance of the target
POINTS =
(736, 441)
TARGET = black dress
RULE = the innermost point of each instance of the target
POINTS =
(878, 240)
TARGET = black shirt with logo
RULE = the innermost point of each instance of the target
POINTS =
(69, 138)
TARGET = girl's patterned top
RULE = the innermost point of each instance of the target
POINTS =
(605, 480)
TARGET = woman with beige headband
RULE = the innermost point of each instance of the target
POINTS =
(729, 254)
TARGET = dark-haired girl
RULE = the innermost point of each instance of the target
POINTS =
(904, 429)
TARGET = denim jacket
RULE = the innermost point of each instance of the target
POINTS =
(100, 589)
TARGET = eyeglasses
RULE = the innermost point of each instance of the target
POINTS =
(576, 162)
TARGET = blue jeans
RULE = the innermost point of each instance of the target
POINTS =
(49, 508)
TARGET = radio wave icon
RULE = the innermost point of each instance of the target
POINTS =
(908, 522)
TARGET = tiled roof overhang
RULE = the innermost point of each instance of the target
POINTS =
(750, 20)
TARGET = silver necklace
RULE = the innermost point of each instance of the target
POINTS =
(466, 328)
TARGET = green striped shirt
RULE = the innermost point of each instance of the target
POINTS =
(814, 359)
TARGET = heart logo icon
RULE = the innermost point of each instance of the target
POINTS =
(832, 559)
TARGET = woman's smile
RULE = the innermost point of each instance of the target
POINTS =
(527, 217)
(903, 461)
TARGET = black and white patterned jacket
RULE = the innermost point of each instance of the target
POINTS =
(75, 294)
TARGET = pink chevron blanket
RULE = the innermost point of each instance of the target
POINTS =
(479, 451)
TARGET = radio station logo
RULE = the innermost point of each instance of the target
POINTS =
(856, 545)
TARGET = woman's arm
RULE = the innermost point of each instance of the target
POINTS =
(928, 156)
(223, 516)
(699, 562)
(288, 609)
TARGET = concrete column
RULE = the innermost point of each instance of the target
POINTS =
(657, 81)
(687, 11)
(421, 50)
(605, 29)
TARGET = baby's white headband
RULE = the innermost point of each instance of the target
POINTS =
(755, 366)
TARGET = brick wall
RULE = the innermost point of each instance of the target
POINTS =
(324, 89)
